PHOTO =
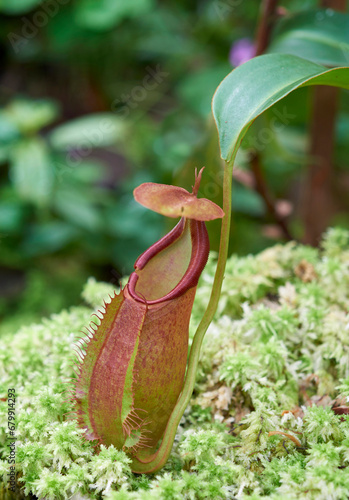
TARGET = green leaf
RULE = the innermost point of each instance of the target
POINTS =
(256, 85)
(89, 172)
(31, 171)
(88, 132)
(11, 216)
(197, 87)
(30, 116)
(319, 35)
(49, 237)
(8, 130)
(247, 201)
(104, 14)
(76, 208)
(18, 6)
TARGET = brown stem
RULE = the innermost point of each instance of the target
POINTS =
(262, 188)
(318, 199)
(334, 4)
(265, 25)
(317, 195)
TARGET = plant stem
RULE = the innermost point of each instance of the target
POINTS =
(222, 258)
(318, 200)
(262, 188)
(156, 461)
(265, 25)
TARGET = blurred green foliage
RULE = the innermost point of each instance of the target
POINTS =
(98, 96)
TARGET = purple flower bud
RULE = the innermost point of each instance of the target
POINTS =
(241, 51)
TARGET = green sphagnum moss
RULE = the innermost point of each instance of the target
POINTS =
(262, 422)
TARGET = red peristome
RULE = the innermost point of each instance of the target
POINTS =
(199, 255)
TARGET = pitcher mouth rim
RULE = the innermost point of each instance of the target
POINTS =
(198, 260)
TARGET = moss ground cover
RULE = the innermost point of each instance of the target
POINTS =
(268, 417)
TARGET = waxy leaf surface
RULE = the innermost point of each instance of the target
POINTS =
(321, 36)
(256, 85)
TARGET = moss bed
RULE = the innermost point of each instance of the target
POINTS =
(268, 417)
